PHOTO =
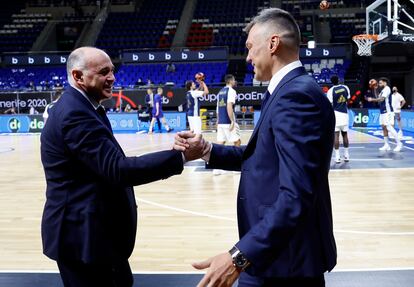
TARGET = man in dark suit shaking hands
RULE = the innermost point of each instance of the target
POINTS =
(284, 206)
(90, 218)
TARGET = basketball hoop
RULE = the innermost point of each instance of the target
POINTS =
(364, 42)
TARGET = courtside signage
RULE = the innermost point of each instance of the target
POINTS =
(35, 60)
(174, 56)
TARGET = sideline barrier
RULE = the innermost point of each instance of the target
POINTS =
(366, 118)
(120, 122)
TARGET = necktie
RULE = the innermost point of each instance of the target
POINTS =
(266, 97)
(102, 114)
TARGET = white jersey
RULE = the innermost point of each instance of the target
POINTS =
(397, 99)
(386, 105)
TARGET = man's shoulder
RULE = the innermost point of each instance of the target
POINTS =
(303, 84)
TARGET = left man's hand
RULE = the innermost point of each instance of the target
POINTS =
(221, 272)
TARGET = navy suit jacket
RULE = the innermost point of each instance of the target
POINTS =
(284, 206)
(90, 212)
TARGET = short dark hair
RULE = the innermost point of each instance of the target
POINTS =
(384, 79)
(335, 80)
(188, 85)
(282, 21)
(228, 78)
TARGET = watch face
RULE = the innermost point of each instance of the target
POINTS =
(240, 261)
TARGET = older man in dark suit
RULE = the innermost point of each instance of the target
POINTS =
(90, 217)
(284, 206)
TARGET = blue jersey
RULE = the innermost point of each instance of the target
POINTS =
(386, 104)
(340, 96)
(157, 99)
(222, 100)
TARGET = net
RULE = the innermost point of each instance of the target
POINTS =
(364, 43)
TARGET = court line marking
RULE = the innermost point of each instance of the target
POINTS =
(7, 149)
(369, 159)
(234, 220)
(184, 210)
(410, 148)
(201, 272)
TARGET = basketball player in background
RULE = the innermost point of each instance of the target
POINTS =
(398, 102)
(387, 115)
(157, 112)
(56, 97)
(227, 128)
(339, 95)
(193, 104)
(149, 99)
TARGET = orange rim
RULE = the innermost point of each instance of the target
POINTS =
(366, 36)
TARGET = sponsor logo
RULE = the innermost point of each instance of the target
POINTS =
(14, 125)
(408, 38)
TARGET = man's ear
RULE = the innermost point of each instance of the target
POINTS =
(274, 43)
(77, 75)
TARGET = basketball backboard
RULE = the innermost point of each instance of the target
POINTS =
(391, 19)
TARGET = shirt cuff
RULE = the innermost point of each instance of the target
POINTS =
(206, 157)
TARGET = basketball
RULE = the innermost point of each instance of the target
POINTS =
(199, 76)
(324, 5)
(373, 84)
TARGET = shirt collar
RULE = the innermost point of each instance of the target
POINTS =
(281, 74)
(93, 102)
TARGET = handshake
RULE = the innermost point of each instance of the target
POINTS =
(192, 146)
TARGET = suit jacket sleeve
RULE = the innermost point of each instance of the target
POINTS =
(296, 127)
(91, 143)
(226, 157)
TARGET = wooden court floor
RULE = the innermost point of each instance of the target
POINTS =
(193, 216)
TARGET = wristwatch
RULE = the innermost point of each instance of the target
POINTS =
(239, 260)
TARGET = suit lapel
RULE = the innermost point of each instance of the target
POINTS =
(290, 76)
(89, 106)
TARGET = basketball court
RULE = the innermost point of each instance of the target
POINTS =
(193, 216)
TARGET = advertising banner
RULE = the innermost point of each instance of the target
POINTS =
(21, 123)
(156, 56)
(120, 122)
(368, 118)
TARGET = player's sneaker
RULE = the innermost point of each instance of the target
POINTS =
(398, 148)
(400, 134)
(346, 157)
(385, 148)
(337, 160)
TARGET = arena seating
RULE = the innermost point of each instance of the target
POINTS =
(344, 26)
(314, 4)
(321, 69)
(127, 75)
(73, 17)
(58, 3)
(44, 78)
(19, 30)
(142, 29)
(221, 23)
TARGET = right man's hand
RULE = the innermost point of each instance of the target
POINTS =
(196, 148)
(181, 140)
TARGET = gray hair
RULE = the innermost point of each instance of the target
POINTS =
(282, 21)
(76, 60)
